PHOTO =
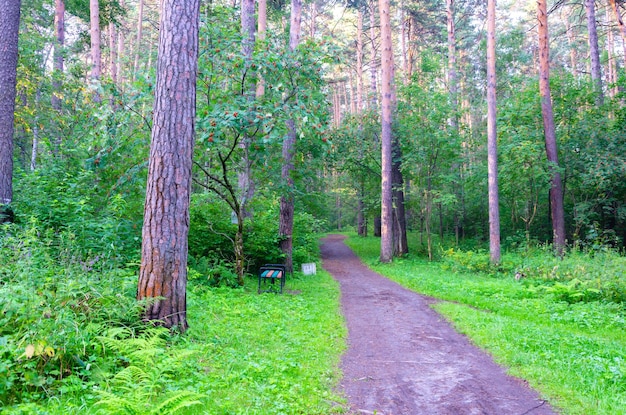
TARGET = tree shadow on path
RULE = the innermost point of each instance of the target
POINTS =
(405, 359)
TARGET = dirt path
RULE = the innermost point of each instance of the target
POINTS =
(405, 359)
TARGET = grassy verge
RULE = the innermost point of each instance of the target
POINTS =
(72, 342)
(574, 353)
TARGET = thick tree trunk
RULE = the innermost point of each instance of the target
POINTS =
(596, 72)
(556, 189)
(163, 271)
(492, 137)
(285, 229)
(9, 28)
(386, 242)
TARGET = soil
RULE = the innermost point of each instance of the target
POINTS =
(405, 359)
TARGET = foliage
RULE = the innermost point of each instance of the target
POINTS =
(211, 238)
(54, 305)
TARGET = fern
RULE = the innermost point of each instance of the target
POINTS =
(141, 387)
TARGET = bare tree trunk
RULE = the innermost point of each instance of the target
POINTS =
(285, 230)
(262, 28)
(386, 243)
(138, 39)
(611, 65)
(246, 186)
(596, 72)
(452, 78)
(35, 147)
(59, 28)
(556, 189)
(9, 28)
(359, 62)
(373, 88)
(492, 137)
(96, 54)
(121, 50)
(573, 58)
(113, 52)
(620, 24)
(313, 19)
(163, 271)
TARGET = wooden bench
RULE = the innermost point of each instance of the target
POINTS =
(272, 273)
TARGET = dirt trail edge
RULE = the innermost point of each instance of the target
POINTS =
(404, 359)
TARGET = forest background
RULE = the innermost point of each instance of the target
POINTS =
(80, 150)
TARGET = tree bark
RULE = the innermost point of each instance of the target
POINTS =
(620, 24)
(556, 189)
(386, 242)
(452, 78)
(596, 72)
(246, 186)
(285, 229)
(262, 28)
(138, 39)
(59, 29)
(96, 54)
(9, 29)
(492, 137)
(163, 272)
(113, 52)
(373, 100)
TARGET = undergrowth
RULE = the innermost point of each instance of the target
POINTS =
(72, 340)
(560, 325)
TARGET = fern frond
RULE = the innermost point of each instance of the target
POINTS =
(180, 400)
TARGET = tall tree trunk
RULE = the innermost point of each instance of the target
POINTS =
(9, 28)
(400, 243)
(163, 271)
(59, 29)
(285, 229)
(571, 38)
(620, 24)
(138, 39)
(373, 99)
(386, 242)
(359, 62)
(361, 217)
(96, 54)
(492, 137)
(246, 186)
(556, 189)
(262, 28)
(113, 52)
(596, 72)
(452, 78)
(611, 65)
(121, 49)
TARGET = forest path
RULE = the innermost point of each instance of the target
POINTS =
(405, 359)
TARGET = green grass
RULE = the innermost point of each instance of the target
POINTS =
(268, 354)
(244, 353)
(574, 353)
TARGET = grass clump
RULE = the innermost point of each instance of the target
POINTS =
(559, 328)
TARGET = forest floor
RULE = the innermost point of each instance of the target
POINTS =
(405, 359)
